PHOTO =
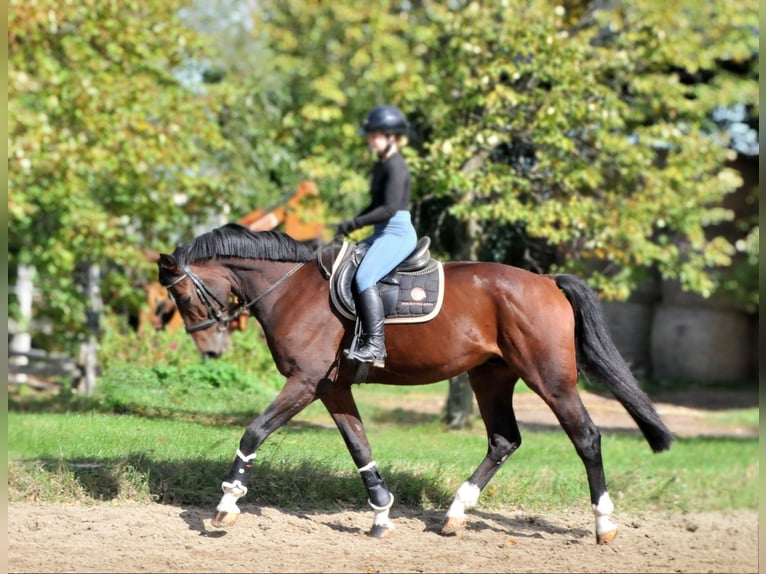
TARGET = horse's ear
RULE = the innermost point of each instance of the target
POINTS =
(168, 263)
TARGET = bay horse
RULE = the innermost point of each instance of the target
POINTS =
(497, 322)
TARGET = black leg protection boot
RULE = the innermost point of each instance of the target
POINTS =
(377, 492)
(370, 310)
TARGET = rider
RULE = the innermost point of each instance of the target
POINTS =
(394, 236)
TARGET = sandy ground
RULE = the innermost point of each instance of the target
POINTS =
(164, 538)
(156, 538)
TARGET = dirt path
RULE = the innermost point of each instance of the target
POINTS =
(687, 414)
(156, 538)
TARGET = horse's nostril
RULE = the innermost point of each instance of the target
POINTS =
(211, 354)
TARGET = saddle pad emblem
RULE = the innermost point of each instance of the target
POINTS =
(418, 294)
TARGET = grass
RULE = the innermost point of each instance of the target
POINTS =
(129, 457)
(743, 417)
(165, 429)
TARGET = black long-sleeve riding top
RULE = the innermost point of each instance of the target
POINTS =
(390, 190)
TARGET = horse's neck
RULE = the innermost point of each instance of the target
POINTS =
(271, 284)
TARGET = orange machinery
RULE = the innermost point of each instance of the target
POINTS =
(300, 214)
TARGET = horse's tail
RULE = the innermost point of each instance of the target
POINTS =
(598, 356)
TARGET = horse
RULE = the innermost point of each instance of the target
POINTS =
(498, 323)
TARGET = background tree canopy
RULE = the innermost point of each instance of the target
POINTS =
(575, 137)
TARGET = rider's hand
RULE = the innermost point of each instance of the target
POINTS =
(345, 227)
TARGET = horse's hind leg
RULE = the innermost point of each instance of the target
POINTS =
(560, 393)
(493, 386)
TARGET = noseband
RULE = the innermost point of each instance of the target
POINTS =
(215, 307)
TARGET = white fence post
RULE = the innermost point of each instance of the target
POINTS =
(89, 349)
(21, 339)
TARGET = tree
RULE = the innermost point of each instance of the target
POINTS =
(336, 61)
(112, 146)
(259, 166)
(573, 138)
(591, 140)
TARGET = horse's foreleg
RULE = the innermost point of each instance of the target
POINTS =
(379, 498)
(233, 488)
(293, 398)
(342, 407)
(504, 438)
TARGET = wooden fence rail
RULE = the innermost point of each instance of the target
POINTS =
(36, 368)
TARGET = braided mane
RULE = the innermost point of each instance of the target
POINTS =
(234, 240)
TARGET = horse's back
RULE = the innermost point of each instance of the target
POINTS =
(503, 283)
(490, 311)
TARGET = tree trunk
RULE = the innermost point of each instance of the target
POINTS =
(459, 402)
(460, 396)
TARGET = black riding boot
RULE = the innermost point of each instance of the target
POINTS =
(370, 311)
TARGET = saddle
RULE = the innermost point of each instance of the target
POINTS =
(412, 293)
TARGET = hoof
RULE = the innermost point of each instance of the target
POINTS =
(225, 519)
(379, 531)
(452, 526)
(606, 537)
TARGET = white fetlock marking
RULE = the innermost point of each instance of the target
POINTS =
(232, 491)
(381, 514)
(244, 458)
(367, 466)
(466, 498)
(603, 511)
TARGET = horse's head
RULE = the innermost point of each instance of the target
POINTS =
(201, 296)
(202, 286)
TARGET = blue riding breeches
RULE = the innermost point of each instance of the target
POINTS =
(390, 244)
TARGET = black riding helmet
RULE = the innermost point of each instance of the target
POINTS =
(386, 120)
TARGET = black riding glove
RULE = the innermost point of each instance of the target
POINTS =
(346, 227)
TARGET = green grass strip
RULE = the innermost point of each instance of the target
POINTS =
(87, 456)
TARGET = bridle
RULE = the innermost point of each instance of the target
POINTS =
(218, 312)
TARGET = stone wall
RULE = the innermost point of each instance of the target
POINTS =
(684, 337)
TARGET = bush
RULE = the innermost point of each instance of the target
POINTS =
(163, 373)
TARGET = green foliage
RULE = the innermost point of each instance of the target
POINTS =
(110, 145)
(741, 282)
(260, 160)
(174, 349)
(167, 368)
(336, 61)
(586, 137)
(591, 138)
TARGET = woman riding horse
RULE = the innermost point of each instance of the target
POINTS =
(394, 236)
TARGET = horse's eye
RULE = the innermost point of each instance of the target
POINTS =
(184, 300)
